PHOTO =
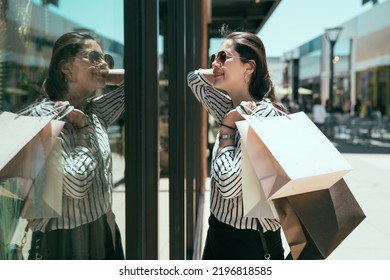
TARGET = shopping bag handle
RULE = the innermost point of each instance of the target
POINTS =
(60, 111)
(67, 111)
(242, 109)
(26, 110)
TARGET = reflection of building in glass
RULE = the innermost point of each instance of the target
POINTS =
(28, 34)
(361, 65)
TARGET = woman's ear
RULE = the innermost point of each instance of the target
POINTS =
(65, 68)
(251, 66)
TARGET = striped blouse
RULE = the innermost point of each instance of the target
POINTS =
(87, 173)
(226, 191)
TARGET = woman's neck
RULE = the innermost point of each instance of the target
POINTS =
(239, 96)
(77, 100)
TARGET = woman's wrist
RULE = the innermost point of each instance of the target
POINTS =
(84, 138)
(231, 127)
(225, 141)
(85, 141)
(226, 137)
(226, 130)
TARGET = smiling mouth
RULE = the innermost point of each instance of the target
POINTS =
(217, 75)
(97, 73)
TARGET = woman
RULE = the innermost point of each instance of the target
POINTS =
(87, 228)
(319, 113)
(239, 70)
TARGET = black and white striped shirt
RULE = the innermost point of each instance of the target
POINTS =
(87, 173)
(226, 202)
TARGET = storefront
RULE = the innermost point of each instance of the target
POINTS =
(163, 40)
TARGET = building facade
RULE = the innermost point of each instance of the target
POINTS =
(185, 26)
(361, 65)
(27, 34)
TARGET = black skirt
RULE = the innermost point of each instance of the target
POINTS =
(224, 242)
(93, 241)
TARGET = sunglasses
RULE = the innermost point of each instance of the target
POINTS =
(96, 57)
(222, 56)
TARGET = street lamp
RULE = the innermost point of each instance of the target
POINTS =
(331, 35)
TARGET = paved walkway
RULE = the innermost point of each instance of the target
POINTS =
(368, 181)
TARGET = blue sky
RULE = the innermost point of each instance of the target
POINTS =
(293, 23)
(105, 17)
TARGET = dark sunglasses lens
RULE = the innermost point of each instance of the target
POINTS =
(94, 57)
(222, 56)
(212, 58)
(109, 60)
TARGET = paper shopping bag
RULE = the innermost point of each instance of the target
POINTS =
(44, 199)
(292, 156)
(255, 203)
(15, 187)
(27, 148)
(316, 223)
(18, 131)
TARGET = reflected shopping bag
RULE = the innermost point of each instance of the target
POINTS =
(15, 187)
(255, 203)
(26, 148)
(316, 223)
(44, 199)
(291, 155)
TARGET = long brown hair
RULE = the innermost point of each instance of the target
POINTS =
(65, 49)
(250, 47)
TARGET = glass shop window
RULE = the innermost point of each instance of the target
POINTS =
(28, 30)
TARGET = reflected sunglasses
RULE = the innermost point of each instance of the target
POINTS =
(222, 56)
(96, 57)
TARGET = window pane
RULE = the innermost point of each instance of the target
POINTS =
(28, 30)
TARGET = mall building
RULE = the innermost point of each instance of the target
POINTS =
(361, 65)
(157, 89)
(163, 41)
(27, 33)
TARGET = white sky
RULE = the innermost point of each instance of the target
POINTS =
(105, 17)
(293, 23)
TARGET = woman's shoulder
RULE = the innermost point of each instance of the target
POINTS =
(41, 108)
(265, 108)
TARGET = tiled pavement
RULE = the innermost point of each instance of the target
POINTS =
(369, 181)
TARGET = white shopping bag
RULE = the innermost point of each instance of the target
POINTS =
(18, 131)
(24, 149)
(44, 199)
(291, 155)
(255, 203)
